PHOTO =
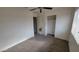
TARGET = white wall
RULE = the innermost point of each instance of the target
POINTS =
(64, 22)
(34, 14)
(74, 36)
(75, 26)
(16, 25)
(40, 23)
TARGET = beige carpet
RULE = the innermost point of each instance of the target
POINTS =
(41, 44)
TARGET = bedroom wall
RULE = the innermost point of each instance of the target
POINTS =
(16, 25)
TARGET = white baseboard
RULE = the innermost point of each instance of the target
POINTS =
(17, 43)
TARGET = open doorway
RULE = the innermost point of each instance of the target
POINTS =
(35, 25)
(51, 21)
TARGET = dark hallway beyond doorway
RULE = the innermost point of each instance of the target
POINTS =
(35, 24)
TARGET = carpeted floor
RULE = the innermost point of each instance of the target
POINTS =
(41, 43)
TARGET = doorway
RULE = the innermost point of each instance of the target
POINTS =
(51, 21)
(35, 25)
